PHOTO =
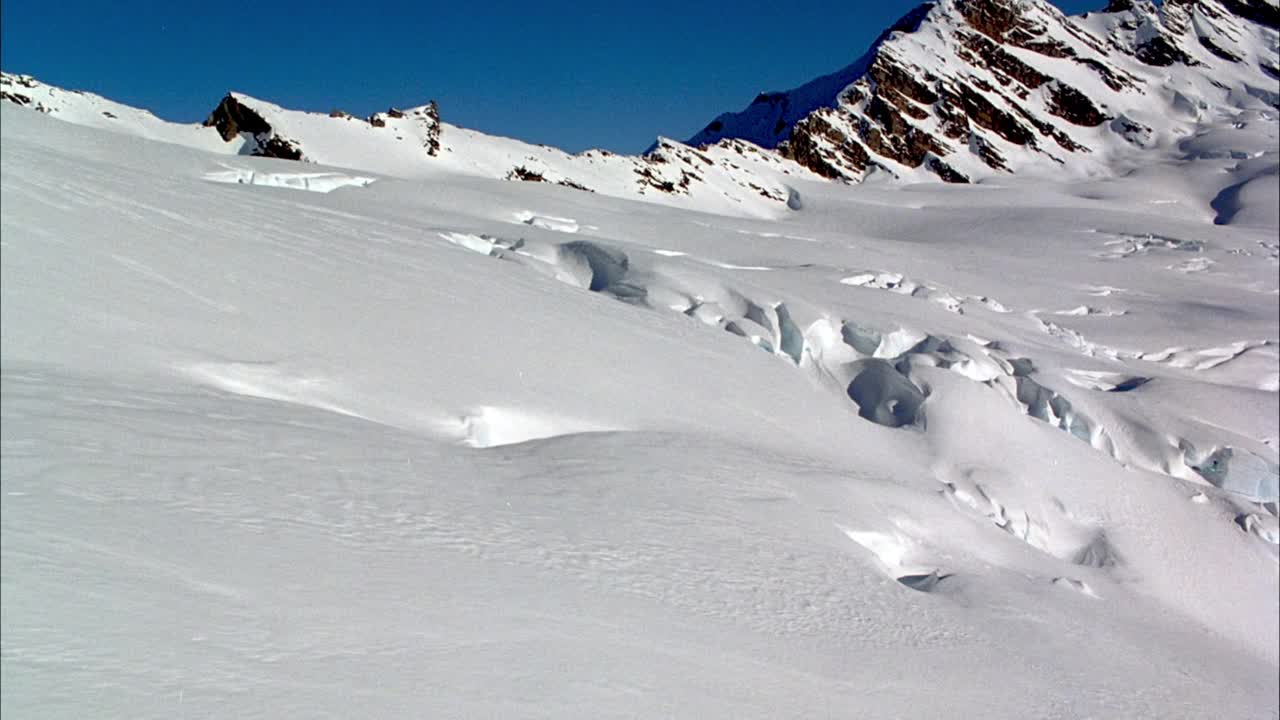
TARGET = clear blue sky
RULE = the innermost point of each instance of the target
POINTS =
(570, 74)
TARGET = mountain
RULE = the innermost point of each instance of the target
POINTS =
(315, 416)
(731, 178)
(957, 90)
(966, 89)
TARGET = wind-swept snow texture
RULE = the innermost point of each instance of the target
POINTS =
(440, 444)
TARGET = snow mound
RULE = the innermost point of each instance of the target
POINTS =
(488, 427)
(321, 182)
(547, 222)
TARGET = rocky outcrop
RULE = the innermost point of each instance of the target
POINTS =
(966, 88)
(232, 118)
(426, 120)
(11, 90)
(1258, 11)
(430, 119)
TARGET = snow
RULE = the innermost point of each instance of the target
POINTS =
(432, 442)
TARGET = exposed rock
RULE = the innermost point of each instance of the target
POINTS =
(896, 138)
(806, 147)
(1212, 47)
(524, 174)
(1005, 21)
(945, 171)
(988, 153)
(1132, 130)
(1159, 52)
(985, 114)
(576, 186)
(894, 78)
(520, 172)
(278, 147)
(649, 179)
(431, 120)
(1259, 11)
(999, 60)
(232, 118)
(1112, 77)
(1074, 106)
(9, 94)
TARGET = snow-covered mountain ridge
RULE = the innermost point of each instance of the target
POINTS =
(967, 89)
(957, 90)
(732, 177)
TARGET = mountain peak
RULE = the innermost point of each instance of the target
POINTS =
(962, 89)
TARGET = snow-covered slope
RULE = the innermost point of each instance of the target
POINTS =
(82, 108)
(734, 178)
(967, 89)
(423, 443)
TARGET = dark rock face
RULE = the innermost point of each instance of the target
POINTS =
(1004, 65)
(16, 98)
(1074, 106)
(576, 186)
(1258, 11)
(1114, 78)
(1159, 52)
(278, 147)
(945, 171)
(804, 148)
(524, 174)
(649, 179)
(231, 118)
(1213, 47)
(1005, 22)
(988, 154)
